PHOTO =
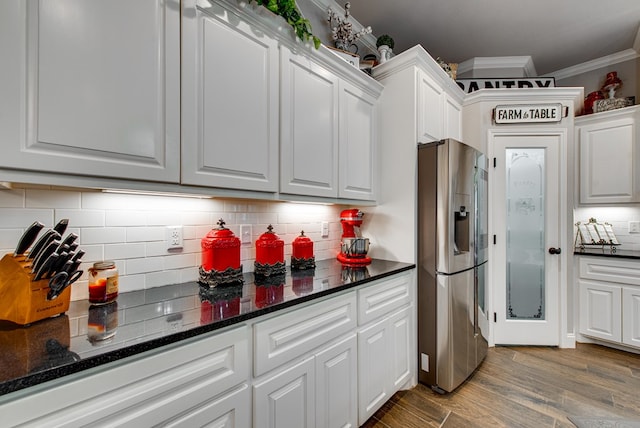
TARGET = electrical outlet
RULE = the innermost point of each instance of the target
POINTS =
(324, 227)
(634, 227)
(174, 237)
(245, 233)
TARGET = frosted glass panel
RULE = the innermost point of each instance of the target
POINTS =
(525, 233)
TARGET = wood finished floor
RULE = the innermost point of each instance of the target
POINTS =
(526, 387)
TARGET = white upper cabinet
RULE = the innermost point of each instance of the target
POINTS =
(358, 148)
(91, 88)
(430, 109)
(452, 118)
(229, 101)
(328, 135)
(309, 127)
(609, 157)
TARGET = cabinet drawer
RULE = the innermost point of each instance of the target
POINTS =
(611, 270)
(377, 300)
(144, 392)
(285, 337)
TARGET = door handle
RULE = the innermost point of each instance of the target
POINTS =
(553, 250)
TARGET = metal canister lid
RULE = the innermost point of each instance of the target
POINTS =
(105, 264)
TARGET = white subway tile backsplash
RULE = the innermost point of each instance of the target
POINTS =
(93, 253)
(9, 239)
(131, 282)
(81, 218)
(103, 235)
(145, 234)
(180, 261)
(23, 217)
(156, 248)
(37, 198)
(195, 218)
(125, 218)
(162, 218)
(124, 251)
(130, 229)
(158, 279)
(12, 198)
(189, 274)
(80, 290)
(144, 265)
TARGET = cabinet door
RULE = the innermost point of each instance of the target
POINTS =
(229, 411)
(374, 358)
(336, 385)
(287, 399)
(401, 337)
(608, 167)
(91, 88)
(631, 316)
(600, 310)
(358, 151)
(452, 118)
(229, 102)
(430, 109)
(309, 127)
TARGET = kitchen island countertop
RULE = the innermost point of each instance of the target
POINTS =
(90, 336)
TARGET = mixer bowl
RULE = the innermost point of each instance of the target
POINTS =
(354, 247)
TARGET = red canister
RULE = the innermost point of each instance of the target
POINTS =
(302, 253)
(220, 257)
(269, 254)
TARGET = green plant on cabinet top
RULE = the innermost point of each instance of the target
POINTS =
(289, 11)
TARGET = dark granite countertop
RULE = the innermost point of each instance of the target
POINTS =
(607, 251)
(88, 336)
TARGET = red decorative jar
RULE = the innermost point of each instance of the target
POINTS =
(302, 253)
(220, 257)
(269, 254)
(590, 100)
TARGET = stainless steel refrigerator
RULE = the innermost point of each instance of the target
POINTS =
(452, 260)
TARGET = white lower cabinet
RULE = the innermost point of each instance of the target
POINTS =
(385, 341)
(610, 300)
(631, 316)
(287, 399)
(319, 391)
(337, 384)
(600, 306)
(327, 364)
(202, 381)
(384, 361)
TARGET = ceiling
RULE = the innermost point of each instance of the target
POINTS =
(556, 34)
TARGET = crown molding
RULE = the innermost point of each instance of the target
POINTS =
(596, 64)
(497, 62)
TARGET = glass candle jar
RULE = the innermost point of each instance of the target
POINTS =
(103, 282)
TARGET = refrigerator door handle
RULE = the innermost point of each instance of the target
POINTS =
(476, 327)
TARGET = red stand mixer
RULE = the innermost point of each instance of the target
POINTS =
(353, 247)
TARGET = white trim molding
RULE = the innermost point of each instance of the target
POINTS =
(499, 62)
(596, 64)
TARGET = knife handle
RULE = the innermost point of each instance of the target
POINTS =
(46, 266)
(28, 237)
(61, 227)
(44, 240)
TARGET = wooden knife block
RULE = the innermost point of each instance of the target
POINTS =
(25, 301)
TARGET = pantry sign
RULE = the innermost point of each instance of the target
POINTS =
(534, 113)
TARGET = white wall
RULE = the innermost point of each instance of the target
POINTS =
(130, 229)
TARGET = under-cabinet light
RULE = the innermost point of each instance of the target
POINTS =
(152, 193)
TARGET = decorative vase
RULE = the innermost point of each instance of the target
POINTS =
(385, 53)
